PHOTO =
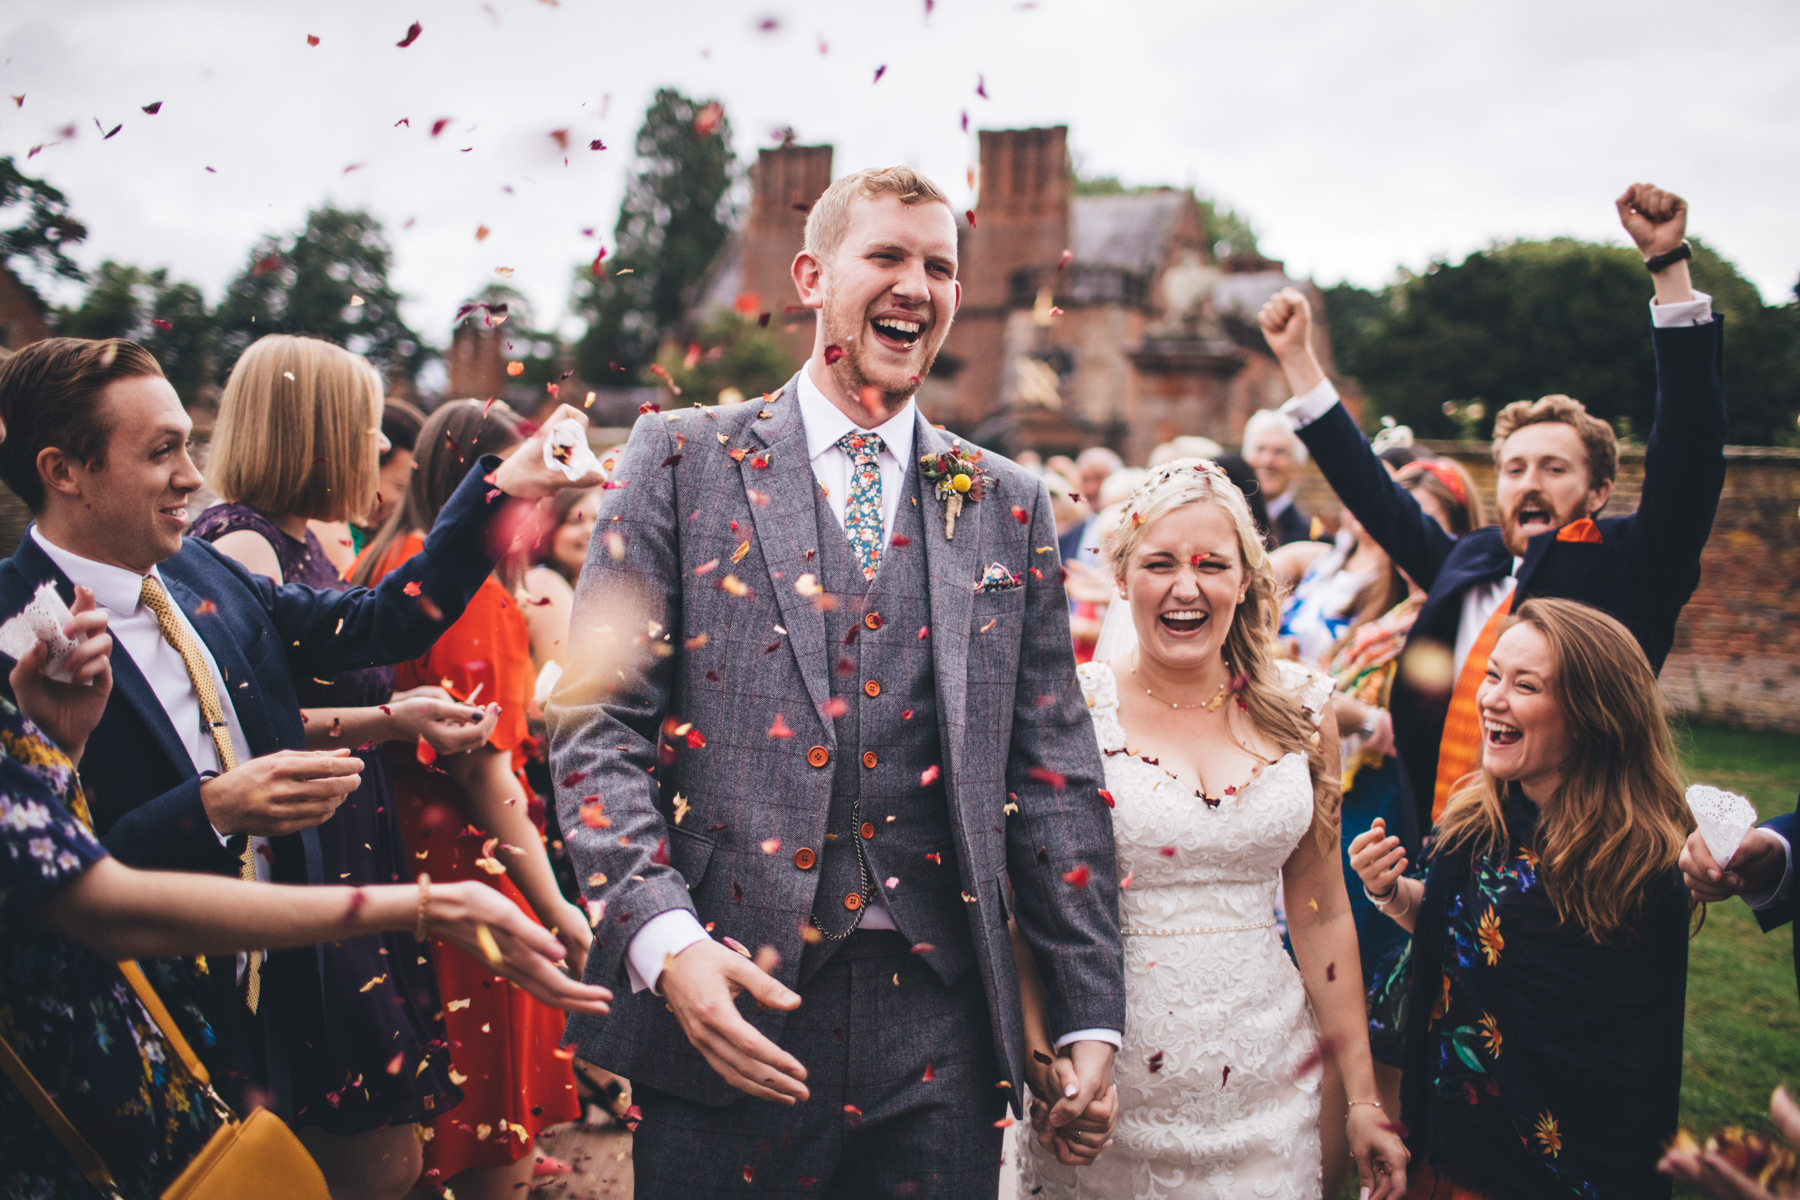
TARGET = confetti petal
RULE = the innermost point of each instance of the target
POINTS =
(1079, 876)
(412, 35)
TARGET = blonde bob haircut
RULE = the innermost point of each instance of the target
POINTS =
(829, 219)
(296, 431)
(1251, 644)
(1618, 822)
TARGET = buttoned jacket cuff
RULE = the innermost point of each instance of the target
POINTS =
(1697, 311)
(1304, 410)
(661, 938)
(1110, 1036)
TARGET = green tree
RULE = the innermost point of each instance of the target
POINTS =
(170, 319)
(1524, 319)
(676, 215)
(733, 351)
(38, 230)
(330, 281)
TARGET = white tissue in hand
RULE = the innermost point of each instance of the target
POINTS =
(43, 620)
(566, 450)
(1724, 818)
(547, 680)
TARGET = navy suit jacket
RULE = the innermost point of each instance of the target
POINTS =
(142, 787)
(1777, 915)
(1291, 526)
(1641, 571)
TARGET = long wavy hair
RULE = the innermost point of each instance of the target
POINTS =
(1251, 644)
(1620, 818)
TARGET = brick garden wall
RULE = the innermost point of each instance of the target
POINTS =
(1736, 658)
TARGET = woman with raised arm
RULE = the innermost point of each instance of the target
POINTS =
(1225, 786)
(1544, 1000)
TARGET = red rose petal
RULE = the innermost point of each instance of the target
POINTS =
(412, 35)
(1079, 876)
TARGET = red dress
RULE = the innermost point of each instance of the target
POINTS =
(504, 1044)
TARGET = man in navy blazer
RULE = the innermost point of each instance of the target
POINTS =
(96, 446)
(1761, 871)
(1556, 465)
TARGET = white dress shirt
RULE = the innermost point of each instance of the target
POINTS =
(668, 934)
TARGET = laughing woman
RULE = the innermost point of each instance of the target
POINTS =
(1549, 952)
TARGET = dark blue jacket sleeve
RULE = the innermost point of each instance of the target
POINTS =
(1777, 915)
(171, 833)
(1417, 544)
(1684, 471)
(325, 631)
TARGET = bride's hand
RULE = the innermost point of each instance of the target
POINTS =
(1379, 860)
(1381, 1157)
(1078, 1143)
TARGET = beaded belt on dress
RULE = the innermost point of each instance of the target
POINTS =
(1265, 923)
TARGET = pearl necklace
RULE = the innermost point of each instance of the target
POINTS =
(1212, 705)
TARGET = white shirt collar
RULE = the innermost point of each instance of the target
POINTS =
(115, 588)
(825, 423)
(1276, 505)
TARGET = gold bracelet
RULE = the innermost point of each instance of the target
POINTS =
(422, 930)
(1370, 1103)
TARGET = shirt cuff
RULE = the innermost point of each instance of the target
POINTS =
(663, 937)
(1110, 1036)
(1697, 311)
(1787, 878)
(1304, 410)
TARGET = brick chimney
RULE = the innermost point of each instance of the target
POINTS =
(476, 365)
(785, 182)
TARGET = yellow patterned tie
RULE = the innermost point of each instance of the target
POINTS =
(179, 636)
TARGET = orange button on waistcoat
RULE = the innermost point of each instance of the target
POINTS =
(871, 689)
(873, 620)
(853, 901)
(818, 756)
(869, 759)
(804, 858)
(868, 830)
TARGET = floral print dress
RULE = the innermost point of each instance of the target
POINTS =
(1541, 1062)
(70, 1015)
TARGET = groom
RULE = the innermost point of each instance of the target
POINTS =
(823, 748)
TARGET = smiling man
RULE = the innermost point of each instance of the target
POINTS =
(1556, 464)
(858, 726)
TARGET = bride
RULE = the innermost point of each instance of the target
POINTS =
(1224, 784)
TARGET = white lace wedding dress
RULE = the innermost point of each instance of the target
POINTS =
(1218, 1078)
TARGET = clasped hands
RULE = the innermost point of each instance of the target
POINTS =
(1074, 1104)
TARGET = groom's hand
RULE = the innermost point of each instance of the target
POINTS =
(701, 985)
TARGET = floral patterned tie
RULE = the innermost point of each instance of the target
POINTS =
(862, 510)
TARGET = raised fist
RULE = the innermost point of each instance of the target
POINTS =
(1287, 323)
(1655, 219)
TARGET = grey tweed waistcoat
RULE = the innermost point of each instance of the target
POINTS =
(887, 790)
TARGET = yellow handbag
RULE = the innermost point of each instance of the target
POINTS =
(258, 1156)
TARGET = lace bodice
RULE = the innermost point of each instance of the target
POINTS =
(1218, 1082)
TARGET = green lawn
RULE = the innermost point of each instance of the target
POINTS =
(1743, 1019)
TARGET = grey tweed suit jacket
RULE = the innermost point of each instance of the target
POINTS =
(705, 536)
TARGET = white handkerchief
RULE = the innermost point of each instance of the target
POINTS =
(1724, 818)
(547, 680)
(43, 620)
(566, 450)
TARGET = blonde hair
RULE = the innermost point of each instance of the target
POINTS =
(1251, 645)
(829, 219)
(296, 431)
(1620, 818)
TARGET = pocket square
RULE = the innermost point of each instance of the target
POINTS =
(998, 579)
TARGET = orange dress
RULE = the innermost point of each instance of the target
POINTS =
(503, 1043)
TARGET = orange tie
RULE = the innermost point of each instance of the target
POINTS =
(1460, 750)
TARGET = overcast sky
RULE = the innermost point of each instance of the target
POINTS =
(1358, 138)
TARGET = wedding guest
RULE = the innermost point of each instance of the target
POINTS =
(1093, 467)
(1556, 465)
(472, 817)
(1548, 963)
(1277, 456)
(70, 913)
(205, 767)
(1710, 1172)
(1350, 580)
(343, 540)
(291, 402)
(1221, 771)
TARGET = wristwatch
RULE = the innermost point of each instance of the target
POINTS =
(1669, 258)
